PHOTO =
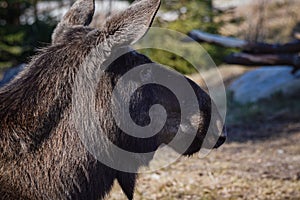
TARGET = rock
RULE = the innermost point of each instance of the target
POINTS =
(264, 82)
(11, 73)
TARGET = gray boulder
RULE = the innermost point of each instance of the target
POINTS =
(264, 82)
(11, 73)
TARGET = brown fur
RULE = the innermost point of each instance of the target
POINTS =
(42, 156)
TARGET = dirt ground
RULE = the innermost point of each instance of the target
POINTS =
(261, 160)
(256, 163)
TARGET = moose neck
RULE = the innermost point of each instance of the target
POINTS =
(32, 105)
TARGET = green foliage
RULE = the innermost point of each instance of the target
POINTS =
(169, 59)
(199, 15)
(18, 41)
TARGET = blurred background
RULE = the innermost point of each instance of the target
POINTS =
(255, 44)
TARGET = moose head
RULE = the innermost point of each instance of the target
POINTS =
(68, 113)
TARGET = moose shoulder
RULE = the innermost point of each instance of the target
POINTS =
(42, 155)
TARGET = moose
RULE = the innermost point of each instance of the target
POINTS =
(42, 155)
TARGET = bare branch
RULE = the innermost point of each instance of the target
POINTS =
(264, 59)
(219, 40)
(249, 47)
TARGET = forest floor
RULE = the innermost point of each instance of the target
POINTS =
(260, 160)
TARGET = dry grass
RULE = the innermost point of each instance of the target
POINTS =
(273, 21)
(253, 169)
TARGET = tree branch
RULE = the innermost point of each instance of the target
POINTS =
(254, 48)
(264, 59)
(219, 40)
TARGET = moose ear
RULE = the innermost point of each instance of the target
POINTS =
(81, 13)
(129, 26)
